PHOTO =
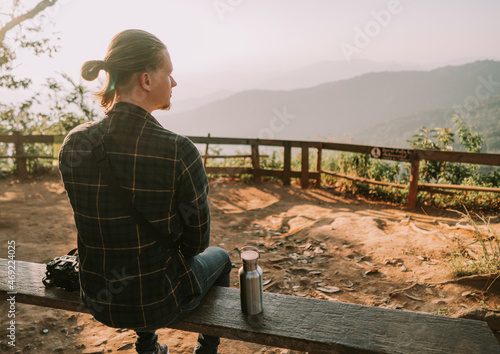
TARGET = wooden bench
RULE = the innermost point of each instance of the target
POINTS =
(312, 325)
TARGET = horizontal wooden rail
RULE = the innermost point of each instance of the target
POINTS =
(458, 156)
(229, 170)
(7, 139)
(28, 157)
(409, 155)
(242, 141)
(365, 180)
(450, 156)
(230, 156)
(435, 191)
(422, 186)
(29, 139)
(430, 186)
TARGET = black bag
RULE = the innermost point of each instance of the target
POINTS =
(62, 272)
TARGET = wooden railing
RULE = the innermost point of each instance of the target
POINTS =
(413, 156)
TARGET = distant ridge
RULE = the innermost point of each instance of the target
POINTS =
(336, 110)
(485, 118)
(331, 71)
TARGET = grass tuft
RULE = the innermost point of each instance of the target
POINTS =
(484, 259)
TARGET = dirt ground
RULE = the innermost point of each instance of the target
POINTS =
(315, 243)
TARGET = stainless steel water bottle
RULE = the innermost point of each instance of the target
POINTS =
(250, 281)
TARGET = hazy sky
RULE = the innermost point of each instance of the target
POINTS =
(212, 40)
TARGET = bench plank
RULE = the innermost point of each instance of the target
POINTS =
(293, 322)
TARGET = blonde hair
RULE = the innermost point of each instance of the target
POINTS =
(130, 52)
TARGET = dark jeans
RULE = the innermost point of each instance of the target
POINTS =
(212, 267)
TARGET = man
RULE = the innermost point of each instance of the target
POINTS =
(128, 279)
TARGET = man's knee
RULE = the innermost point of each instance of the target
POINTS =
(220, 253)
(225, 263)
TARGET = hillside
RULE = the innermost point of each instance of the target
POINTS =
(335, 109)
(395, 132)
(330, 71)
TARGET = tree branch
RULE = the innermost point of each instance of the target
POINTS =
(42, 5)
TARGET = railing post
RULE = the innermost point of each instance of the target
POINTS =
(304, 173)
(22, 172)
(206, 153)
(411, 203)
(255, 162)
(318, 167)
(287, 164)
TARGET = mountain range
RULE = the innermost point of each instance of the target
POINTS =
(362, 109)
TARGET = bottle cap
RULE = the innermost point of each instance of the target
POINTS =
(249, 253)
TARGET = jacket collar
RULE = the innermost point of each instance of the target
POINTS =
(133, 110)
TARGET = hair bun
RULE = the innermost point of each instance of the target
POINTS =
(91, 68)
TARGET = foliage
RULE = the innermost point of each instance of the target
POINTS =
(71, 104)
(483, 202)
(65, 105)
(447, 172)
(472, 141)
(485, 258)
(433, 139)
(20, 29)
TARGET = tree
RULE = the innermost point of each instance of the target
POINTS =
(60, 105)
(67, 103)
(442, 139)
(17, 28)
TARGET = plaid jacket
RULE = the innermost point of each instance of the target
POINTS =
(127, 279)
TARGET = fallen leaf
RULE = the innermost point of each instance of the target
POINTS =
(325, 297)
(300, 270)
(269, 285)
(329, 289)
(371, 271)
(393, 261)
(413, 297)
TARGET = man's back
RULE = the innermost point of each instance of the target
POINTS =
(128, 280)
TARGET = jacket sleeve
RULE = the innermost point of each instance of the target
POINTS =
(192, 201)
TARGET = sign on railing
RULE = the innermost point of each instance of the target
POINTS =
(383, 153)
